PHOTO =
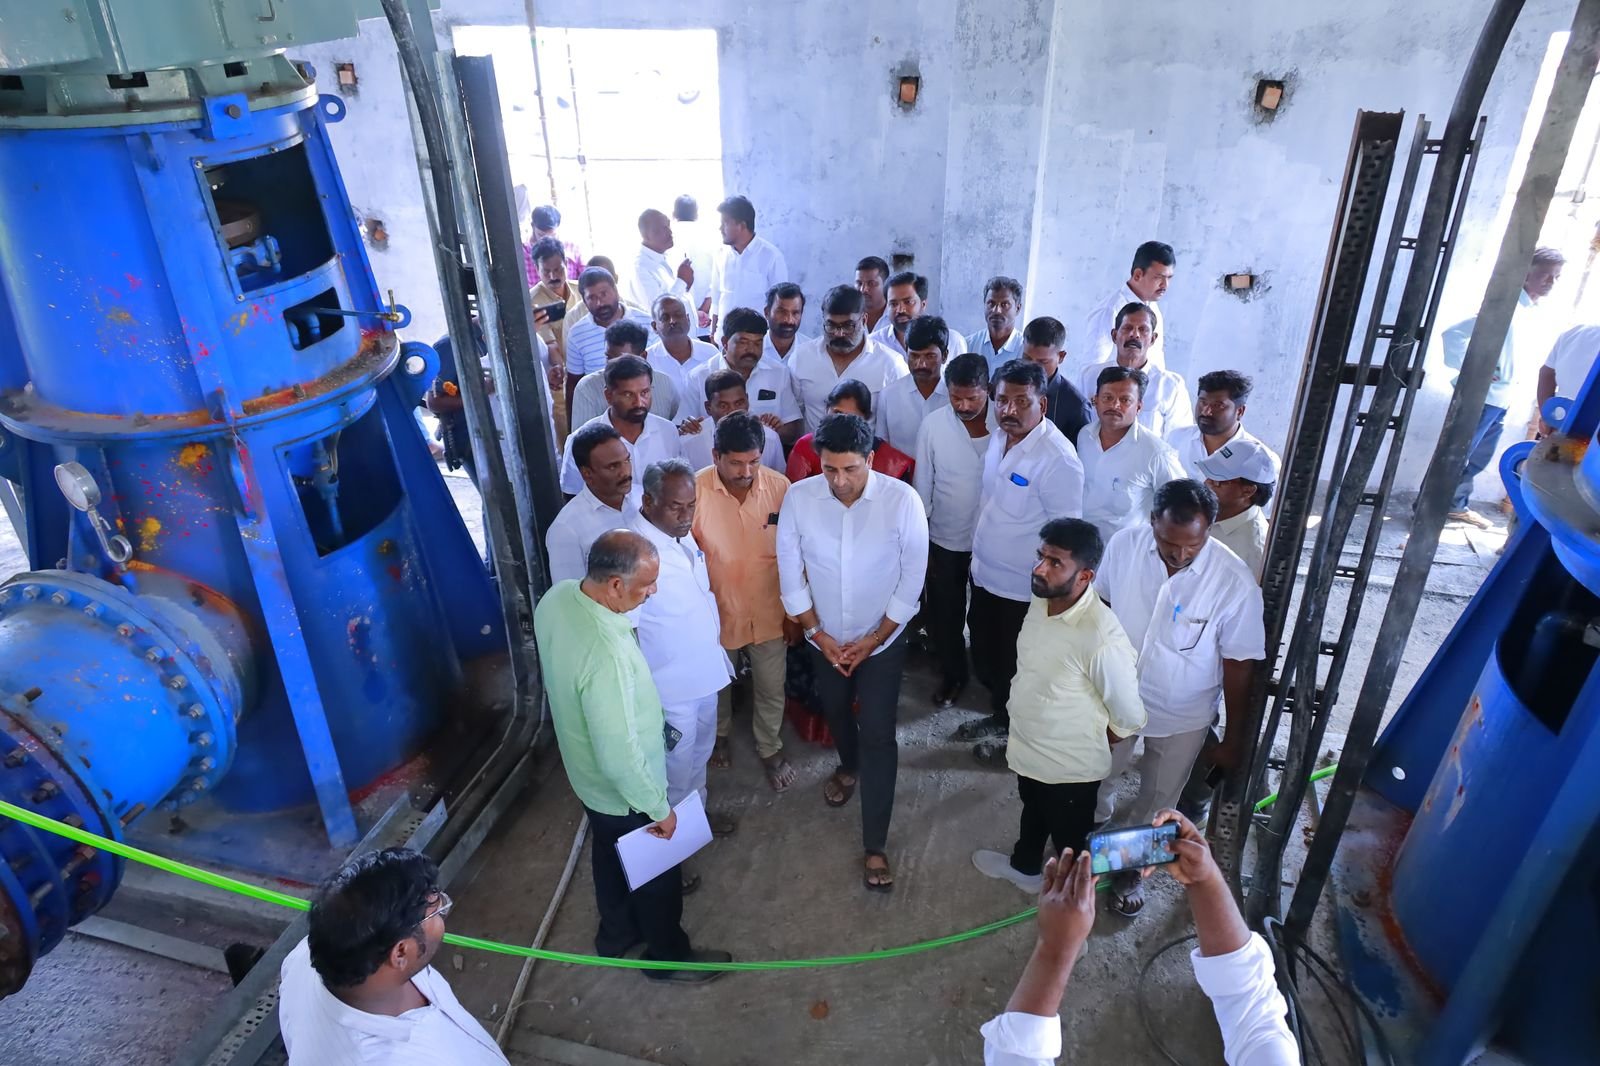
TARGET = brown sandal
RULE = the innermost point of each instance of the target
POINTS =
(879, 872)
(843, 789)
(780, 774)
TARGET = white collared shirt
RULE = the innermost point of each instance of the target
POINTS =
(578, 525)
(319, 1029)
(1167, 405)
(1190, 445)
(1572, 357)
(658, 440)
(680, 631)
(885, 336)
(586, 340)
(1097, 347)
(741, 279)
(1245, 534)
(812, 376)
(649, 276)
(855, 565)
(1250, 1012)
(1119, 486)
(800, 341)
(589, 397)
(665, 366)
(697, 448)
(949, 476)
(767, 388)
(901, 407)
(1040, 478)
(1012, 349)
(1183, 625)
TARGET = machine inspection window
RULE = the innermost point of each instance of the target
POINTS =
(269, 217)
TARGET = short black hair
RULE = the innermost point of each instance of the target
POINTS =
(928, 331)
(851, 389)
(1235, 384)
(1021, 372)
(1113, 374)
(1182, 500)
(1134, 308)
(743, 320)
(1000, 281)
(912, 278)
(722, 381)
(785, 290)
(547, 248)
(1077, 538)
(843, 300)
(592, 276)
(1153, 252)
(740, 209)
(840, 433)
(623, 332)
(1045, 332)
(587, 439)
(626, 368)
(684, 209)
(967, 371)
(739, 432)
(873, 262)
(366, 907)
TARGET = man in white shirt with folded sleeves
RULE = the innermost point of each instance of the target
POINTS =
(1031, 474)
(905, 402)
(1123, 463)
(651, 275)
(680, 630)
(746, 265)
(1193, 610)
(948, 475)
(852, 556)
(843, 352)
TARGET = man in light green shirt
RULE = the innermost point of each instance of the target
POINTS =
(611, 732)
(1075, 694)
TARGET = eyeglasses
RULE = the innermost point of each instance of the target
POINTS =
(445, 903)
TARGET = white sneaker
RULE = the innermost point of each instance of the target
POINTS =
(998, 865)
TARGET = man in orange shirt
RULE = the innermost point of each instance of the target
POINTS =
(736, 525)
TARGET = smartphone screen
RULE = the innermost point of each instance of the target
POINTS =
(1132, 848)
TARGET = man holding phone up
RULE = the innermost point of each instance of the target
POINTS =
(1193, 610)
(1074, 695)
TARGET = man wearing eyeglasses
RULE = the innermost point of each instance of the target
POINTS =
(360, 988)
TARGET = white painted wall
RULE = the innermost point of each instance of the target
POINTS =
(1051, 137)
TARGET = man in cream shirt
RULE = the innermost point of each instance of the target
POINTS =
(1242, 473)
(1123, 463)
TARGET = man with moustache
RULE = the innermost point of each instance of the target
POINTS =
(765, 375)
(844, 352)
(872, 277)
(651, 275)
(908, 299)
(676, 354)
(1148, 279)
(1000, 341)
(1044, 344)
(786, 305)
(1166, 397)
(649, 438)
(607, 501)
(1031, 474)
(726, 394)
(625, 338)
(1074, 696)
(948, 475)
(1123, 463)
(906, 401)
(586, 339)
(1218, 420)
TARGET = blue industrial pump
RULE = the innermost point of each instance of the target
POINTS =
(1469, 875)
(250, 595)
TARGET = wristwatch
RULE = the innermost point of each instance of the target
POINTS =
(812, 632)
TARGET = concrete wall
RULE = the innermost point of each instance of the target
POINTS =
(1050, 138)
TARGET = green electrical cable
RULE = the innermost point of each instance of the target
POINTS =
(282, 899)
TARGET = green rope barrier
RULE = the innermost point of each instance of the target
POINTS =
(282, 899)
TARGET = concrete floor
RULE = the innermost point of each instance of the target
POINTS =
(787, 885)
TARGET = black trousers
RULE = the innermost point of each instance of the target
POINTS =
(865, 738)
(652, 913)
(994, 622)
(1060, 813)
(944, 610)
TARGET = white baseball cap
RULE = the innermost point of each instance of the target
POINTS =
(1242, 457)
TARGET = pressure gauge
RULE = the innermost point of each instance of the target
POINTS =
(78, 486)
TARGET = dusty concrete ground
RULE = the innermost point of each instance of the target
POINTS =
(787, 885)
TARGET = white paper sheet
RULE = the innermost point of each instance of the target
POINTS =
(644, 857)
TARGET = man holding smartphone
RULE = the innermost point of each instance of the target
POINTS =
(1074, 695)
